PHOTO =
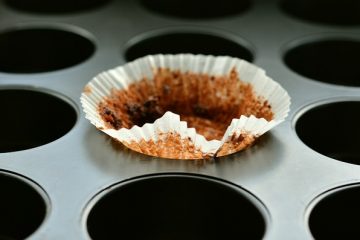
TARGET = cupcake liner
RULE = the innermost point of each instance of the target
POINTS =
(168, 136)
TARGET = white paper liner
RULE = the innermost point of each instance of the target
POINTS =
(241, 132)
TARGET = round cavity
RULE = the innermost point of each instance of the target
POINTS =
(336, 215)
(345, 12)
(199, 9)
(187, 42)
(332, 61)
(332, 129)
(22, 207)
(32, 118)
(63, 6)
(176, 207)
(42, 49)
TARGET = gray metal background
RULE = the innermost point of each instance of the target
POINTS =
(281, 171)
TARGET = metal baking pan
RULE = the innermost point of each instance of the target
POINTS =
(61, 178)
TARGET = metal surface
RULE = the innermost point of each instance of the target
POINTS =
(281, 171)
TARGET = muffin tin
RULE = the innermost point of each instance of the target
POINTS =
(63, 179)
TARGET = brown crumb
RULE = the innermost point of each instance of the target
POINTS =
(87, 89)
(109, 117)
(236, 143)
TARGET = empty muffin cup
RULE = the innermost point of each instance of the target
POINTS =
(326, 58)
(22, 207)
(332, 129)
(175, 206)
(55, 7)
(332, 12)
(188, 40)
(185, 106)
(335, 214)
(200, 9)
(42, 49)
(31, 118)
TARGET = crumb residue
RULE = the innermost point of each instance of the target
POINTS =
(169, 145)
(236, 143)
(207, 103)
(87, 89)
